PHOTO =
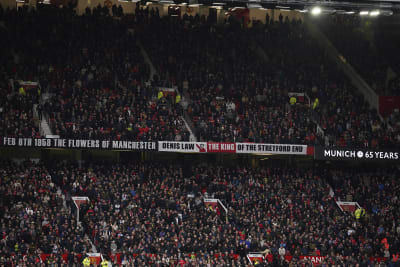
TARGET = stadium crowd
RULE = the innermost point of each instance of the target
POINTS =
(36, 217)
(376, 191)
(235, 95)
(95, 74)
(154, 213)
(239, 93)
(16, 112)
(344, 116)
(350, 35)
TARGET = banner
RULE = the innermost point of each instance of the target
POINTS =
(299, 96)
(28, 84)
(215, 205)
(354, 154)
(387, 104)
(77, 143)
(347, 206)
(255, 258)
(95, 258)
(167, 91)
(185, 147)
(161, 146)
(316, 260)
(271, 149)
(221, 147)
(211, 203)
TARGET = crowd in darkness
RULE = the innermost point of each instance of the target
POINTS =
(16, 113)
(93, 69)
(139, 208)
(241, 94)
(234, 80)
(351, 35)
(234, 95)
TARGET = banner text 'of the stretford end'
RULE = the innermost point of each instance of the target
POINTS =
(77, 143)
(271, 148)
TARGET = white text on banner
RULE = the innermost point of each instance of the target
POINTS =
(271, 148)
(188, 147)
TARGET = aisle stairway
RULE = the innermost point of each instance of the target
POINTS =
(43, 125)
(370, 96)
(185, 100)
(147, 60)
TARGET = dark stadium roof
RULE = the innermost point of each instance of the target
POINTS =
(339, 7)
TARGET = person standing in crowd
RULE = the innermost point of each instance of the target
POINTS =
(86, 262)
(359, 213)
(104, 263)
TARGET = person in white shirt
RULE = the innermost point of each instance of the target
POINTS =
(282, 251)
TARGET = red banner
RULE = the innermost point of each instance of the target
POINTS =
(387, 104)
(316, 260)
(221, 147)
(95, 258)
(255, 258)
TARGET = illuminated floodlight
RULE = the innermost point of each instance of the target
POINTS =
(364, 13)
(374, 13)
(316, 11)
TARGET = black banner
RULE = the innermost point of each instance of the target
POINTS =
(77, 144)
(334, 153)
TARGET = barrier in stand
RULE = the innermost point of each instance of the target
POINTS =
(78, 201)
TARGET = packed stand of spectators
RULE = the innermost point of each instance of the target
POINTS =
(153, 213)
(347, 120)
(36, 218)
(16, 110)
(147, 209)
(101, 91)
(234, 96)
(290, 212)
(343, 114)
(377, 192)
(349, 34)
(153, 208)
(95, 70)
